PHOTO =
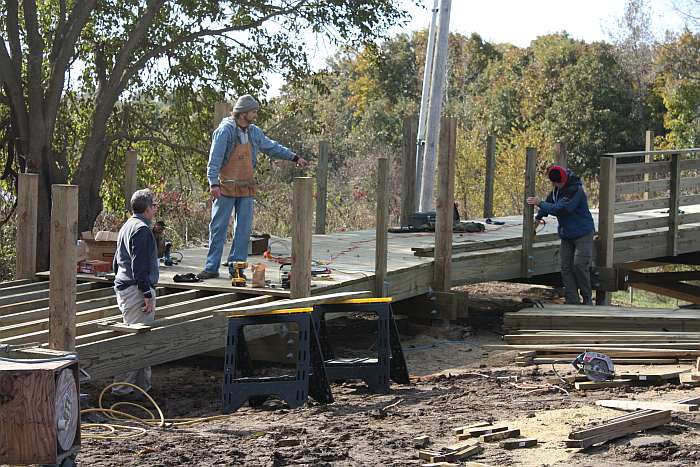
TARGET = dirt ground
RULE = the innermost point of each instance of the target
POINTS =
(451, 389)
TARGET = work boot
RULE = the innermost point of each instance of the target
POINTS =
(207, 275)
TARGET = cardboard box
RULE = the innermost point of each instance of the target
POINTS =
(100, 247)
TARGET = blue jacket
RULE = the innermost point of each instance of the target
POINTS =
(570, 205)
(136, 258)
(227, 135)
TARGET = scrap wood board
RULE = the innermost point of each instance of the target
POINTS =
(618, 428)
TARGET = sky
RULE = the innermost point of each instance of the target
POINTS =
(516, 21)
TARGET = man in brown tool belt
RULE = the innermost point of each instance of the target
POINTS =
(231, 174)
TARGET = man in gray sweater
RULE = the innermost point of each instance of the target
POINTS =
(136, 272)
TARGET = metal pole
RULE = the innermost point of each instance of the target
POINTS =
(437, 85)
(427, 74)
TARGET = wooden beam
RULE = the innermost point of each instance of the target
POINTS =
(561, 156)
(64, 234)
(656, 277)
(382, 227)
(322, 186)
(408, 185)
(27, 209)
(292, 303)
(527, 265)
(654, 168)
(637, 422)
(490, 176)
(648, 147)
(606, 220)
(681, 291)
(130, 176)
(442, 279)
(647, 405)
(674, 205)
(302, 213)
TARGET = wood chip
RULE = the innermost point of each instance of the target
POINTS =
(421, 441)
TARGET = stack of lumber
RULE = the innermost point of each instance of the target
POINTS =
(618, 427)
(647, 415)
(603, 318)
(628, 335)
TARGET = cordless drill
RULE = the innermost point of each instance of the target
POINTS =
(237, 274)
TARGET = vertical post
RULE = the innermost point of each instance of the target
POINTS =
(437, 86)
(408, 198)
(62, 298)
(606, 220)
(527, 263)
(442, 277)
(221, 111)
(490, 175)
(560, 154)
(130, 180)
(27, 203)
(674, 205)
(322, 186)
(648, 146)
(382, 227)
(302, 205)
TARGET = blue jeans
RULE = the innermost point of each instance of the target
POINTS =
(220, 214)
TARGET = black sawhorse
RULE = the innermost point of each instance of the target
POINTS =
(376, 372)
(309, 380)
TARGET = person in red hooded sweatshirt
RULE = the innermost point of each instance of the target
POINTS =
(568, 202)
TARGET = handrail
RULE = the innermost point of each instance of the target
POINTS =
(664, 152)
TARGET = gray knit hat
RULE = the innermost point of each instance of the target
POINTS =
(246, 104)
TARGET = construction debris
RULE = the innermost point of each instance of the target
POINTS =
(514, 433)
(420, 442)
(618, 427)
(647, 405)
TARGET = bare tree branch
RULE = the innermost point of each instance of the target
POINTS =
(164, 142)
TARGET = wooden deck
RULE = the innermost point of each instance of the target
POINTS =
(191, 316)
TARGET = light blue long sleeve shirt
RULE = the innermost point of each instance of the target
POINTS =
(228, 134)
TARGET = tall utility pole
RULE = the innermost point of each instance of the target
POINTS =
(437, 85)
(422, 116)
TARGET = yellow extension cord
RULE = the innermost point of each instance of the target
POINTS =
(113, 430)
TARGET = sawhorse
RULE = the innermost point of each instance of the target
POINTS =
(376, 372)
(309, 379)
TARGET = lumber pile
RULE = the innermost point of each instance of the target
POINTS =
(470, 441)
(628, 335)
(618, 427)
(646, 415)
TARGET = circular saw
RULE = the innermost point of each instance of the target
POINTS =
(596, 366)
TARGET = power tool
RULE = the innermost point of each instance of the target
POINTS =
(596, 366)
(237, 269)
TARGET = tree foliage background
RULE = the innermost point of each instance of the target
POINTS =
(145, 75)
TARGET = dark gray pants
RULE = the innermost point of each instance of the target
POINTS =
(576, 256)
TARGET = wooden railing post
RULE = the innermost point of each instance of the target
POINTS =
(408, 183)
(322, 187)
(382, 228)
(62, 293)
(27, 203)
(130, 179)
(442, 277)
(302, 218)
(560, 154)
(490, 175)
(648, 146)
(527, 263)
(606, 220)
(221, 111)
(674, 205)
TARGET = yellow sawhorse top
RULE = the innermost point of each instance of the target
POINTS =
(287, 311)
(360, 301)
